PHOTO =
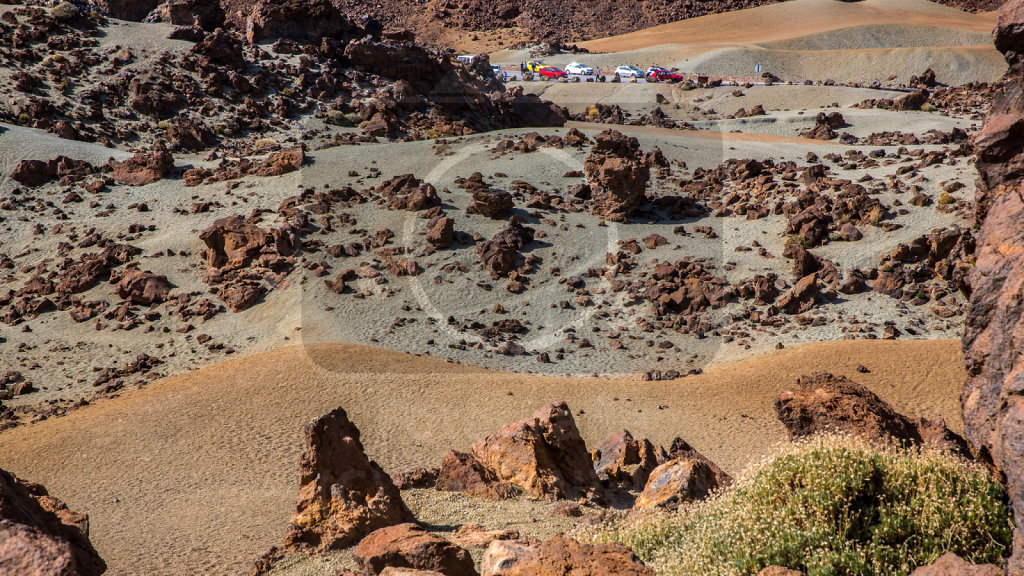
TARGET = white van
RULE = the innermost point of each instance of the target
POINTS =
(466, 59)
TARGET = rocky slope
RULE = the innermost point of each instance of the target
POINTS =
(558, 21)
(993, 408)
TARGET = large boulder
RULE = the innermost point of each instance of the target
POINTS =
(1000, 143)
(949, 564)
(343, 495)
(677, 482)
(560, 556)
(40, 536)
(143, 168)
(622, 461)
(993, 351)
(206, 14)
(234, 241)
(617, 172)
(134, 10)
(409, 545)
(143, 287)
(300, 20)
(823, 403)
(542, 456)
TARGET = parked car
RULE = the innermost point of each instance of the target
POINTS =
(534, 65)
(496, 69)
(663, 74)
(577, 68)
(466, 59)
(629, 72)
(551, 72)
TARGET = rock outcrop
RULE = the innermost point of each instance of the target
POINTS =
(949, 564)
(343, 495)
(677, 482)
(40, 536)
(622, 461)
(542, 455)
(142, 168)
(992, 401)
(828, 403)
(411, 546)
(560, 556)
(617, 172)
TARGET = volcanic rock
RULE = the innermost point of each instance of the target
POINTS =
(542, 455)
(617, 173)
(949, 564)
(301, 20)
(560, 556)
(142, 287)
(40, 536)
(827, 403)
(142, 169)
(677, 482)
(409, 545)
(801, 296)
(621, 461)
(343, 495)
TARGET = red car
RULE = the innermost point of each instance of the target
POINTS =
(551, 72)
(663, 74)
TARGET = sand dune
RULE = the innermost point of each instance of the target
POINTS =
(196, 474)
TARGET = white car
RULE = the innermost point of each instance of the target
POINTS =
(577, 68)
(629, 72)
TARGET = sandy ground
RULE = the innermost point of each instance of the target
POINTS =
(573, 243)
(810, 39)
(197, 474)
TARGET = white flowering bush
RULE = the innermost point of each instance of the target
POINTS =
(831, 506)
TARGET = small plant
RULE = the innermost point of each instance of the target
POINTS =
(876, 215)
(921, 294)
(927, 107)
(593, 112)
(945, 198)
(264, 143)
(830, 505)
(287, 92)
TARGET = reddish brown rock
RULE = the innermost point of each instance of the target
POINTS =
(779, 571)
(543, 454)
(143, 169)
(560, 556)
(677, 482)
(475, 536)
(490, 203)
(406, 192)
(40, 536)
(303, 20)
(241, 295)
(622, 461)
(442, 232)
(410, 546)
(949, 564)
(801, 296)
(501, 253)
(33, 173)
(343, 495)
(461, 472)
(282, 162)
(205, 14)
(617, 173)
(142, 287)
(681, 449)
(233, 241)
(827, 403)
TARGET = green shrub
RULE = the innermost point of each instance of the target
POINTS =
(831, 506)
